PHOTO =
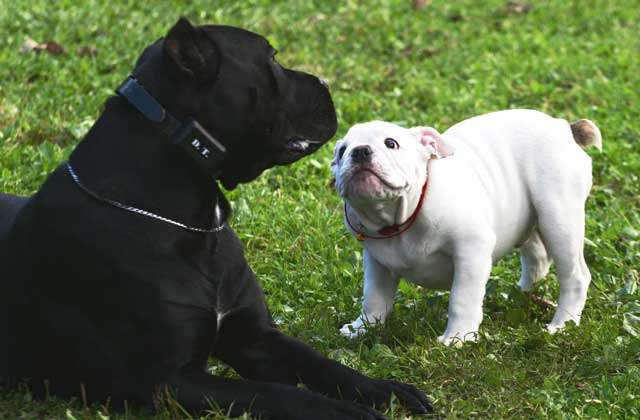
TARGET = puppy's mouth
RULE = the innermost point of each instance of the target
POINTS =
(367, 183)
(368, 174)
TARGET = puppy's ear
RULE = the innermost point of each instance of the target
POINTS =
(191, 52)
(433, 142)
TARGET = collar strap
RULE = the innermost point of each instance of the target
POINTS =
(397, 229)
(217, 211)
(207, 152)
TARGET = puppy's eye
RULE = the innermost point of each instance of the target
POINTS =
(341, 152)
(391, 143)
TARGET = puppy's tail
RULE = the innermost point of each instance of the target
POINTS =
(586, 134)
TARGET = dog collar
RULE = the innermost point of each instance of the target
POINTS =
(396, 229)
(207, 152)
(141, 212)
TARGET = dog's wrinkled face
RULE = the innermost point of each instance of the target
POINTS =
(230, 81)
(379, 161)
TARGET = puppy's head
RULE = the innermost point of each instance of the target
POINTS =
(230, 81)
(379, 161)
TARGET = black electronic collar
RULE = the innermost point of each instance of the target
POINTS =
(207, 152)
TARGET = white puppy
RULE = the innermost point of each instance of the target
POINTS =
(438, 210)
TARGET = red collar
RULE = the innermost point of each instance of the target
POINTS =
(394, 230)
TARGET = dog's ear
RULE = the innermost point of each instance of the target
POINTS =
(193, 54)
(433, 142)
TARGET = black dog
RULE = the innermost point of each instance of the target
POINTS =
(110, 302)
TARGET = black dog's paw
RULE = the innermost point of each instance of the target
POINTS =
(338, 410)
(378, 393)
(311, 406)
(409, 396)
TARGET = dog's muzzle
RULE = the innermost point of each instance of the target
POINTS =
(300, 145)
(361, 154)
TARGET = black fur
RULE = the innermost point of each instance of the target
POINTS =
(120, 307)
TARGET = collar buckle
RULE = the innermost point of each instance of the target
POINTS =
(201, 147)
(197, 143)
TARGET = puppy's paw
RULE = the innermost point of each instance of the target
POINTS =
(458, 339)
(553, 327)
(556, 326)
(354, 329)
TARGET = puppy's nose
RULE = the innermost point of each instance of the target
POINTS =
(361, 154)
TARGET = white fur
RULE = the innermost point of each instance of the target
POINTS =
(511, 179)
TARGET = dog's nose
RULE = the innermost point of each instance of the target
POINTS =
(361, 154)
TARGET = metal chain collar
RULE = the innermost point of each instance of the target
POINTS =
(135, 210)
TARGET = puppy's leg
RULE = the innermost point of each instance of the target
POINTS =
(562, 227)
(380, 286)
(472, 266)
(534, 261)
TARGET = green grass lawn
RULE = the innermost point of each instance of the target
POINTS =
(384, 60)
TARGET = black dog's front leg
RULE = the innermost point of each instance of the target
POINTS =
(260, 352)
(198, 391)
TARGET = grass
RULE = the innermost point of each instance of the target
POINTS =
(448, 61)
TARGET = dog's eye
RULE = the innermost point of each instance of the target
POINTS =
(391, 143)
(341, 152)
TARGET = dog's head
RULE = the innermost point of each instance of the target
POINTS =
(229, 80)
(379, 161)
